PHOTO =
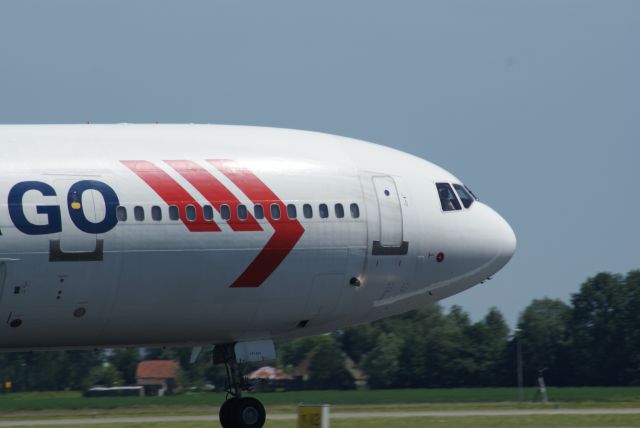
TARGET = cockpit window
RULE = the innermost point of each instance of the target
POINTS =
(471, 193)
(448, 199)
(464, 195)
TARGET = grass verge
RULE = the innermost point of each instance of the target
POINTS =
(438, 398)
(555, 421)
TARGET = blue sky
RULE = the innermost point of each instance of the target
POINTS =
(534, 104)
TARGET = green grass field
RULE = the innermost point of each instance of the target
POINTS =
(57, 405)
(576, 397)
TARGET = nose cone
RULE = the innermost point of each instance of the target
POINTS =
(507, 239)
(503, 241)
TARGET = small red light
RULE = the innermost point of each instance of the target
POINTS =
(440, 257)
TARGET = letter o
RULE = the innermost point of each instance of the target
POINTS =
(111, 204)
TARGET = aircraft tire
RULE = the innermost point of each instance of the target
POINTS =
(248, 413)
(226, 413)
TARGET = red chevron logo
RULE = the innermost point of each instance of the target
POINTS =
(287, 232)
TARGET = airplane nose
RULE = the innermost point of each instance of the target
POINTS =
(508, 240)
(496, 241)
(504, 240)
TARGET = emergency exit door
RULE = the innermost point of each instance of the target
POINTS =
(391, 238)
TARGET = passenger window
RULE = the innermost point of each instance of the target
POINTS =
(324, 210)
(307, 210)
(174, 212)
(355, 211)
(275, 211)
(156, 213)
(258, 211)
(242, 212)
(292, 211)
(207, 212)
(448, 199)
(339, 210)
(138, 213)
(464, 196)
(225, 212)
(191, 213)
(121, 213)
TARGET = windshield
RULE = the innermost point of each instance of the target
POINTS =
(466, 198)
(448, 199)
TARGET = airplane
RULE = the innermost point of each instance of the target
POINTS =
(234, 236)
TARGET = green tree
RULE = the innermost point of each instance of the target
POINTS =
(488, 341)
(293, 353)
(382, 363)
(497, 333)
(632, 328)
(597, 329)
(50, 370)
(452, 358)
(327, 366)
(544, 335)
(105, 375)
(164, 353)
(126, 361)
(357, 341)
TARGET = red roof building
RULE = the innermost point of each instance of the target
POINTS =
(158, 377)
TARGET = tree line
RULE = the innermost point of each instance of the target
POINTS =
(592, 340)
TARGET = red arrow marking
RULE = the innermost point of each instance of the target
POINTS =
(172, 193)
(215, 192)
(287, 231)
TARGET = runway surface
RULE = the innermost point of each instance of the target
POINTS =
(340, 415)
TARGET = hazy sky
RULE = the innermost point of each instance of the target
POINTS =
(534, 104)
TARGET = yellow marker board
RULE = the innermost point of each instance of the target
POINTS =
(310, 416)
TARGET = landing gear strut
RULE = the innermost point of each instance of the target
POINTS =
(237, 411)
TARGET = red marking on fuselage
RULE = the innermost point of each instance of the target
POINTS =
(287, 232)
(215, 192)
(172, 193)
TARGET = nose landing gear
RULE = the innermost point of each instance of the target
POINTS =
(238, 411)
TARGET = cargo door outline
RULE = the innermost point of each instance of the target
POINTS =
(73, 245)
(15, 289)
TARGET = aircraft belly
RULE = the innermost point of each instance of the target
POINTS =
(170, 296)
(188, 297)
(52, 303)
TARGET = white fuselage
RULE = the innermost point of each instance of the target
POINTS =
(81, 267)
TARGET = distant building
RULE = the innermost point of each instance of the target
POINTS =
(158, 377)
(114, 391)
(269, 373)
(269, 379)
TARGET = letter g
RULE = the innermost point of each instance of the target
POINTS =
(16, 209)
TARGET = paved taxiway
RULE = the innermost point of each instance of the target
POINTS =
(340, 415)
